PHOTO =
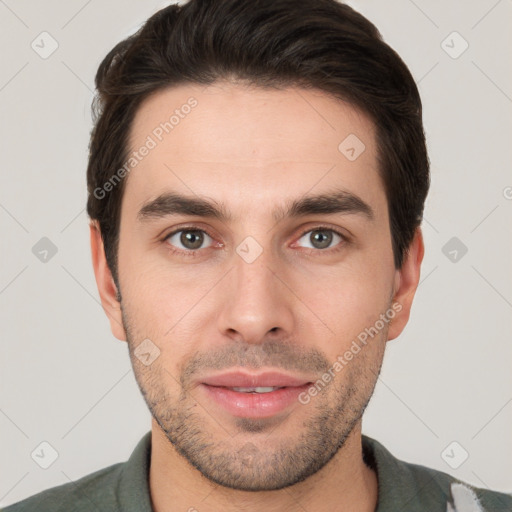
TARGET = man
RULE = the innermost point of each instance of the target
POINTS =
(257, 178)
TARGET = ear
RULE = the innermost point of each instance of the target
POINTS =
(106, 286)
(406, 283)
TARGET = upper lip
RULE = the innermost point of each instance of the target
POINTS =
(253, 380)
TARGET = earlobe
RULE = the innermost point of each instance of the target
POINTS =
(105, 283)
(406, 282)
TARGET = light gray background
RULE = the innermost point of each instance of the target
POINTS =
(67, 381)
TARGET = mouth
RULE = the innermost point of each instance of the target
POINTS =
(259, 389)
(260, 395)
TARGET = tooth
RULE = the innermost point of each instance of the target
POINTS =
(260, 389)
(264, 390)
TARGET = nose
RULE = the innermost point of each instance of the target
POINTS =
(256, 301)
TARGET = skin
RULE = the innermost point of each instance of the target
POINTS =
(295, 308)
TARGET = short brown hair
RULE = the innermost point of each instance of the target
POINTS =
(321, 44)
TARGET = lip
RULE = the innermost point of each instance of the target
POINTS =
(241, 379)
(254, 405)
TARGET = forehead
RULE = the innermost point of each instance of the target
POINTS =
(260, 143)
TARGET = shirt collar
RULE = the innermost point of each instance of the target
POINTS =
(397, 483)
(402, 483)
(133, 493)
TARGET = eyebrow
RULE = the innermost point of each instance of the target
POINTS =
(170, 203)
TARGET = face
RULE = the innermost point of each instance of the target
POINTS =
(255, 254)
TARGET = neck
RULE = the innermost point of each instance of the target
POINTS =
(344, 484)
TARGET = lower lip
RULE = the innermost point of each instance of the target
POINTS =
(254, 405)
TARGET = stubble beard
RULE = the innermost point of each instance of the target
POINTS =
(268, 461)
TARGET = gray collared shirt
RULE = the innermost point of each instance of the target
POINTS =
(124, 487)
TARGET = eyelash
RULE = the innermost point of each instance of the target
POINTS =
(193, 253)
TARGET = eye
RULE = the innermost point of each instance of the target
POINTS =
(322, 237)
(190, 239)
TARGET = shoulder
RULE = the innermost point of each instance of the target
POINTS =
(121, 487)
(96, 491)
(419, 488)
(453, 494)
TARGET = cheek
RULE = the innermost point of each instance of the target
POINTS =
(163, 304)
(350, 300)
(154, 291)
